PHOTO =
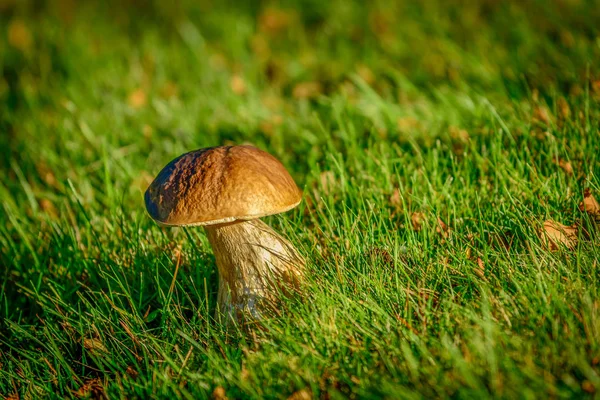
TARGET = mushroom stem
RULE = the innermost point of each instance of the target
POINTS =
(254, 263)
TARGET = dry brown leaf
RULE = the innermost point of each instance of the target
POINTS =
(459, 134)
(219, 393)
(137, 98)
(541, 114)
(480, 270)
(565, 166)
(48, 207)
(442, 228)
(91, 388)
(307, 90)
(554, 235)
(237, 85)
(588, 387)
(395, 198)
(131, 372)
(417, 219)
(589, 204)
(19, 35)
(303, 394)
(94, 346)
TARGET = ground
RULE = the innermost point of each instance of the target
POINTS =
(449, 155)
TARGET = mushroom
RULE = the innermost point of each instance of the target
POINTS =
(227, 189)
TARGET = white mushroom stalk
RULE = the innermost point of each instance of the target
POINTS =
(255, 265)
(226, 189)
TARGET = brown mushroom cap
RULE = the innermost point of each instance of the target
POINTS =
(221, 184)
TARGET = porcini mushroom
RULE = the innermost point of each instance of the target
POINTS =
(227, 189)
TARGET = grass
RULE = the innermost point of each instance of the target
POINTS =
(432, 140)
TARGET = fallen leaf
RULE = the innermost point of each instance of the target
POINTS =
(131, 372)
(442, 228)
(19, 35)
(589, 204)
(94, 346)
(541, 114)
(219, 393)
(459, 134)
(91, 388)
(417, 219)
(303, 394)
(307, 90)
(554, 235)
(565, 166)
(237, 85)
(588, 387)
(480, 270)
(48, 207)
(137, 98)
(395, 198)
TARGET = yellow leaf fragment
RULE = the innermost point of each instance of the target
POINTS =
(565, 166)
(589, 204)
(417, 219)
(554, 235)
(91, 388)
(442, 228)
(480, 269)
(395, 198)
(219, 393)
(542, 114)
(94, 346)
(303, 394)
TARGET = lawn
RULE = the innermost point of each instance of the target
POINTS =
(449, 156)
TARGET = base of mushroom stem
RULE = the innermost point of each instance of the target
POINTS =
(251, 307)
(256, 266)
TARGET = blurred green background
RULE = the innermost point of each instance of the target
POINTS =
(432, 140)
